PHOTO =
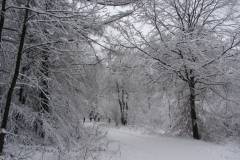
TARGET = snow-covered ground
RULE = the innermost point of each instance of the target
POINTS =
(123, 143)
(129, 145)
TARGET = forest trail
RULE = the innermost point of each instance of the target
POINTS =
(130, 145)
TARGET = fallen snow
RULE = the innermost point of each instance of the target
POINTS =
(128, 145)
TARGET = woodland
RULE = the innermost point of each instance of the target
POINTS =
(169, 65)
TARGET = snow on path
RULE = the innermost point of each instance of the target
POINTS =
(127, 145)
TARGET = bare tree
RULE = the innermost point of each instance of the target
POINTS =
(53, 49)
(192, 39)
(14, 79)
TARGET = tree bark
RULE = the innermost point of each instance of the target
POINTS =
(123, 105)
(2, 21)
(193, 111)
(14, 80)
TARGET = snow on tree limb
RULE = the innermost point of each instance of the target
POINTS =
(113, 2)
(117, 17)
(2, 130)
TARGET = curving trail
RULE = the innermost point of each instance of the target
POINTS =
(129, 145)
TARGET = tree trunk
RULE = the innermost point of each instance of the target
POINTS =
(126, 109)
(22, 97)
(123, 105)
(14, 80)
(193, 111)
(123, 109)
(2, 21)
(44, 101)
(169, 114)
(44, 93)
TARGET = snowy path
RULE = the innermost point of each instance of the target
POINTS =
(135, 146)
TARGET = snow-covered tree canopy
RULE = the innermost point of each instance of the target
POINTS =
(169, 65)
(197, 40)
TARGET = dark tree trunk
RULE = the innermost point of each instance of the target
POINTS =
(169, 114)
(193, 111)
(22, 97)
(14, 80)
(123, 105)
(1, 29)
(123, 109)
(2, 21)
(126, 108)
